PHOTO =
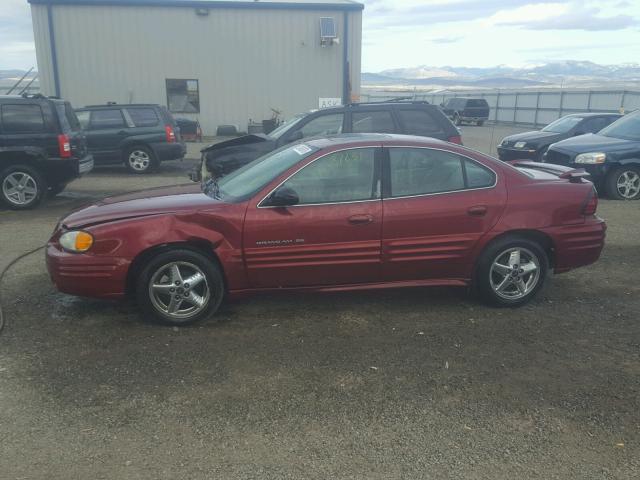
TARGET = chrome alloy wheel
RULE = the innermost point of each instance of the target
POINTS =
(179, 290)
(139, 160)
(628, 184)
(514, 273)
(20, 188)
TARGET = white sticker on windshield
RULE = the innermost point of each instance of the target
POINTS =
(301, 149)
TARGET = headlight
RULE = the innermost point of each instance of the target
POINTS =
(520, 144)
(76, 241)
(594, 157)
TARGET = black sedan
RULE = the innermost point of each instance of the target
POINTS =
(612, 157)
(533, 145)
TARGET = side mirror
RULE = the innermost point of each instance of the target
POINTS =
(283, 197)
(295, 136)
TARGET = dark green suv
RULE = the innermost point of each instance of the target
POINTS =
(138, 135)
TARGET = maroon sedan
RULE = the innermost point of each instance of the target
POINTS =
(344, 213)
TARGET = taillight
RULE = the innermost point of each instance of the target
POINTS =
(455, 139)
(64, 146)
(171, 136)
(591, 205)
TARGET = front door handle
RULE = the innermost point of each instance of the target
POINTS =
(360, 219)
(477, 211)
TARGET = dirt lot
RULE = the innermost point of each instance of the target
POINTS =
(401, 384)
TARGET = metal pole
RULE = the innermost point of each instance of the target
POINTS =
(535, 116)
(515, 109)
(589, 102)
(497, 106)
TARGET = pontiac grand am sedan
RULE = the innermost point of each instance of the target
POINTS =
(342, 213)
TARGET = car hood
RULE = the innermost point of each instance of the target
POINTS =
(155, 201)
(535, 136)
(234, 142)
(594, 143)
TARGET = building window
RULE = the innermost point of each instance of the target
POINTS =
(183, 96)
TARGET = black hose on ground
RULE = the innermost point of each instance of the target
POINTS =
(5, 270)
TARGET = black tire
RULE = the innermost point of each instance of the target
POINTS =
(56, 189)
(540, 154)
(480, 123)
(631, 190)
(140, 159)
(487, 279)
(457, 120)
(23, 199)
(156, 306)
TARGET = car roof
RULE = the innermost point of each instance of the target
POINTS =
(119, 105)
(356, 139)
(594, 114)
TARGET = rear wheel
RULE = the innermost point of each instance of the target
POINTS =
(21, 187)
(179, 287)
(480, 123)
(540, 154)
(511, 271)
(624, 183)
(139, 159)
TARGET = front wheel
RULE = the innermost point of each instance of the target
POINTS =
(21, 187)
(511, 271)
(624, 183)
(139, 159)
(179, 287)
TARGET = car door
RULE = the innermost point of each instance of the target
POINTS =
(437, 204)
(107, 130)
(330, 237)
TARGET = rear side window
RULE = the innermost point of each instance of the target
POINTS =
(143, 117)
(418, 122)
(420, 171)
(107, 119)
(22, 118)
(68, 117)
(478, 176)
(373, 122)
(477, 103)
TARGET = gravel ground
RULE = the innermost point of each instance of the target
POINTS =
(398, 384)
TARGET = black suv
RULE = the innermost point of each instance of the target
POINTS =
(410, 118)
(138, 135)
(470, 110)
(42, 148)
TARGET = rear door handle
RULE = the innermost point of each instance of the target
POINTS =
(360, 219)
(477, 211)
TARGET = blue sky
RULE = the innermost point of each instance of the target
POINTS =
(475, 33)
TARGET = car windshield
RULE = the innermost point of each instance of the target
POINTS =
(278, 132)
(562, 125)
(627, 128)
(250, 179)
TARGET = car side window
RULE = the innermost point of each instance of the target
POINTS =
(83, 118)
(143, 117)
(330, 124)
(22, 119)
(345, 176)
(593, 125)
(380, 121)
(107, 119)
(478, 176)
(418, 122)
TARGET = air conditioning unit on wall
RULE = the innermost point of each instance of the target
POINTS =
(328, 32)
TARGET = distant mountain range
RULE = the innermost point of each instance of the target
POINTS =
(569, 72)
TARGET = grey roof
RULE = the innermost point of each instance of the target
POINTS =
(260, 4)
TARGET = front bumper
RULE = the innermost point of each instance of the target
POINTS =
(577, 245)
(86, 275)
(507, 154)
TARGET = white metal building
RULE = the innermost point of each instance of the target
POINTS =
(222, 62)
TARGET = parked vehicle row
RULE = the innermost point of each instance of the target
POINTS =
(606, 145)
(44, 143)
